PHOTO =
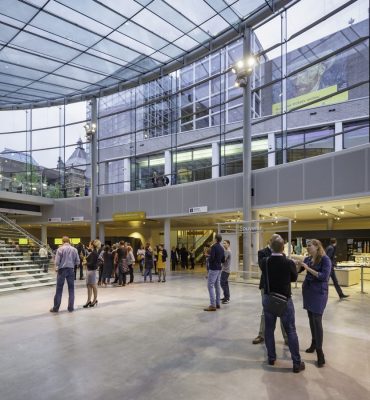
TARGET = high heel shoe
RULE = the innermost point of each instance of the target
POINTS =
(88, 304)
(320, 358)
(94, 303)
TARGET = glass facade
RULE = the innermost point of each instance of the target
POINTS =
(303, 64)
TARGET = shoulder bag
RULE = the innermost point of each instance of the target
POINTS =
(276, 303)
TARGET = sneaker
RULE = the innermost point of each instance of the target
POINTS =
(259, 339)
(299, 367)
(225, 301)
(210, 308)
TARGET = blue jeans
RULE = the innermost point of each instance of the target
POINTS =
(69, 275)
(214, 284)
(288, 320)
(225, 284)
(148, 271)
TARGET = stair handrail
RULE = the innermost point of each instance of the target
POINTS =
(24, 232)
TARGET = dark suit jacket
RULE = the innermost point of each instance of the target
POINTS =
(262, 254)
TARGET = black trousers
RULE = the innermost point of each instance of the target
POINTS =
(173, 265)
(131, 272)
(225, 284)
(81, 271)
(334, 278)
(316, 329)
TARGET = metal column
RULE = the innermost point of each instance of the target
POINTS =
(94, 168)
(247, 156)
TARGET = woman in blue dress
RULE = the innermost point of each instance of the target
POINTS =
(315, 293)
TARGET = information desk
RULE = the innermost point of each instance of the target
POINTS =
(352, 264)
(348, 276)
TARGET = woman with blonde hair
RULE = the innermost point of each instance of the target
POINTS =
(161, 264)
(92, 265)
(315, 293)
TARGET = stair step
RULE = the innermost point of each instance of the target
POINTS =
(9, 266)
(16, 283)
(11, 289)
(35, 275)
(3, 271)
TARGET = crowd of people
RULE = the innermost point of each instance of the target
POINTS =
(278, 272)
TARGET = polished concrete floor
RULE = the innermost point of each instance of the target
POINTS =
(155, 342)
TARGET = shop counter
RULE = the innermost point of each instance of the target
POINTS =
(348, 275)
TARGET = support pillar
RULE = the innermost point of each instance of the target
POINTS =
(247, 159)
(44, 234)
(168, 166)
(127, 174)
(102, 233)
(215, 160)
(94, 167)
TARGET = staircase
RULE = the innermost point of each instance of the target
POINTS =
(20, 266)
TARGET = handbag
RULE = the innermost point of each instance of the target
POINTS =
(276, 303)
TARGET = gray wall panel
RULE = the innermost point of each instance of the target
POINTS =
(106, 207)
(238, 192)
(132, 201)
(349, 173)
(159, 203)
(318, 178)
(190, 197)
(146, 201)
(174, 200)
(226, 194)
(208, 195)
(266, 187)
(291, 183)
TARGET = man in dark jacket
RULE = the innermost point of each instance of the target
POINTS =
(216, 258)
(330, 252)
(262, 254)
(278, 272)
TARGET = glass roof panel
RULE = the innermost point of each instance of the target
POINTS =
(99, 65)
(215, 25)
(79, 73)
(65, 29)
(166, 12)
(44, 46)
(76, 17)
(64, 82)
(157, 25)
(195, 10)
(22, 58)
(6, 33)
(17, 10)
(95, 11)
(114, 49)
(131, 43)
(67, 47)
(127, 8)
(137, 32)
